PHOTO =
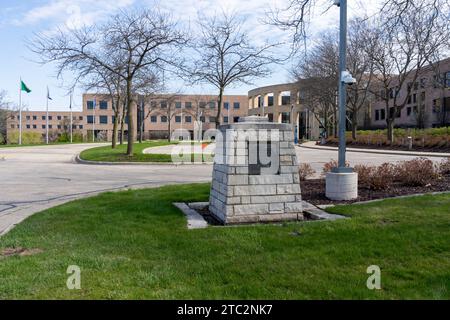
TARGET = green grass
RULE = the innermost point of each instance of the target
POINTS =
(134, 245)
(119, 154)
(108, 154)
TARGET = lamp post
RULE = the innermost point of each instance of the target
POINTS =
(342, 182)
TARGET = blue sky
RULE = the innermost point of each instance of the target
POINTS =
(20, 19)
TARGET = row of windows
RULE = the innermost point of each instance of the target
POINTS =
(188, 119)
(29, 126)
(50, 118)
(103, 105)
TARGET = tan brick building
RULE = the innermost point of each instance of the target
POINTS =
(158, 115)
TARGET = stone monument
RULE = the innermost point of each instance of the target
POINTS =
(255, 177)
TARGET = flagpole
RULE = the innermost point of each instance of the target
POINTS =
(46, 119)
(71, 119)
(20, 112)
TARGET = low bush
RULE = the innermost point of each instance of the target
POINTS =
(28, 137)
(444, 166)
(416, 172)
(327, 167)
(305, 171)
(376, 177)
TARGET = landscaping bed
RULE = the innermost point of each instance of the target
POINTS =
(313, 191)
(398, 147)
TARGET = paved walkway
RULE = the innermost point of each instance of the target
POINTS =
(36, 178)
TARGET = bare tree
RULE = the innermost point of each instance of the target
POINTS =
(317, 76)
(226, 56)
(404, 45)
(164, 106)
(145, 38)
(4, 113)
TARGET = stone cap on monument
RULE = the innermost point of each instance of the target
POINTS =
(256, 122)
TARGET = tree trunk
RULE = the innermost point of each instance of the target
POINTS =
(122, 123)
(130, 102)
(219, 108)
(390, 130)
(140, 122)
(168, 129)
(115, 125)
(354, 125)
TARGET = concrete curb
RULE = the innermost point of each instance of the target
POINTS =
(105, 163)
(387, 152)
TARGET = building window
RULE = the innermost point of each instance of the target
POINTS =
(103, 105)
(103, 119)
(80, 126)
(43, 117)
(50, 118)
(163, 119)
(285, 100)
(285, 117)
(414, 98)
(34, 126)
(154, 119)
(12, 126)
(377, 115)
(188, 105)
(178, 105)
(436, 105)
(34, 117)
(409, 99)
(188, 119)
(59, 127)
(81, 118)
(226, 105)
(28, 126)
(383, 114)
(90, 105)
(13, 117)
(43, 126)
(408, 111)
(50, 126)
(236, 105)
(59, 118)
(202, 104)
(178, 119)
(212, 105)
(90, 119)
(202, 119)
(28, 118)
(163, 104)
(212, 119)
(447, 79)
(225, 119)
(235, 119)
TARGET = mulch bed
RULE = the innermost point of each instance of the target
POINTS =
(313, 191)
(443, 149)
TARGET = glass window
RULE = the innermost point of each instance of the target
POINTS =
(43, 126)
(154, 119)
(225, 119)
(34, 117)
(188, 105)
(188, 119)
(212, 119)
(28, 126)
(236, 105)
(50, 126)
(103, 105)
(202, 118)
(28, 118)
(163, 119)
(383, 114)
(103, 119)
(408, 111)
(178, 105)
(43, 117)
(90, 119)
(285, 100)
(90, 105)
(202, 104)
(59, 127)
(212, 105)
(226, 105)
(81, 118)
(178, 119)
(80, 126)
(34, 126)
(377, 115)
(163, 104)
(59, 118)
(235, 119)
(50, 118)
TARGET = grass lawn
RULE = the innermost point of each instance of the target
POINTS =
(119, 154)
(134, 245)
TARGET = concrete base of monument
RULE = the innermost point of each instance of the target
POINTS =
(198, 216)
(341, 186)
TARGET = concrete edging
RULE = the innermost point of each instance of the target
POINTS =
(387, 152)
(106, 163)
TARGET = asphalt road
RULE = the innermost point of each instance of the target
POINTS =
(36, 178)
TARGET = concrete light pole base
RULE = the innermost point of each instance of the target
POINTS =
(341, 186)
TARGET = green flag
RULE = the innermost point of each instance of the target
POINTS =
(24, 87)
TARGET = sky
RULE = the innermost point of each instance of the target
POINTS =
(20, 20)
